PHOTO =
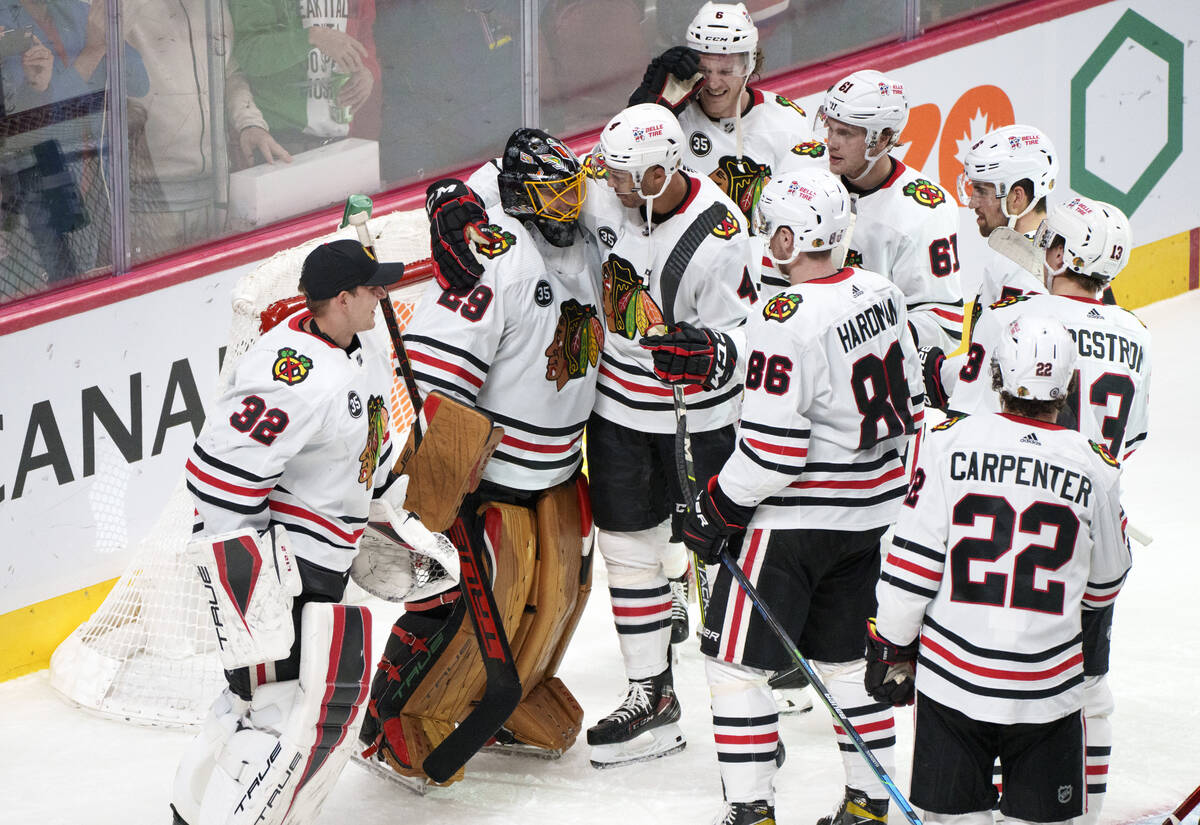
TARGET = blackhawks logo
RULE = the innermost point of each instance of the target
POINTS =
(628, 307)
(594, 168)
(742, 180)
(949, 422)
(782, 307)
(498, 243)
(809, 148)
(1009, 301)
(377, 421)
(854, 259)
(783, 101)
(1105, 455)
(291, 367)
(578, 338)
(728, 226)
(926, 193)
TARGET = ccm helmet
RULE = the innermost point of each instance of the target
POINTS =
(1035, 359)
(1004, 157)
(1095, 236)
(541, 181)
(813, 203)
(723, 28)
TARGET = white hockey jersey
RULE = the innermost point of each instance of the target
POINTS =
(833, 392)
(1112, 401)
(301, 438)
(522, 346)
(696, 267)
(772, 126)
(1009, 525)
(1001, 278)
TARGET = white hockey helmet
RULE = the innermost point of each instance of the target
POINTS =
(1035, 358)
(1005, 157)
(723, 28)
(813, 203)
(869, 99)
(1096, 239)
(640, 137)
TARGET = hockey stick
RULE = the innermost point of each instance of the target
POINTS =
(502, 688)
(1185, 808)
(1017, 248)
(358, 210)
(882, 775)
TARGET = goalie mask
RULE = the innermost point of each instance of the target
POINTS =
(1095, 238)
(812, 203)
(868, 99)
(1035, 359)
(541, 180)
(1005, 157)
(724, 28)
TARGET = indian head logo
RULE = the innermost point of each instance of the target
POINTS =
(578, 339)
(377, 433)
(291, 367)
(854, 258)
(628, 308)
(926, 193)
(782, 307)
(742, 180)
(729, 225)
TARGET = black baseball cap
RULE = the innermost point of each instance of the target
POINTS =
(343, 265)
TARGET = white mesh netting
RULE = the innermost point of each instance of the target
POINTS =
(148, 653)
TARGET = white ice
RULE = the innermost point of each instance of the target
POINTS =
(61, 765)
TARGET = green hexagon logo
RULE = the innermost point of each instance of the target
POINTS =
(1160, 43)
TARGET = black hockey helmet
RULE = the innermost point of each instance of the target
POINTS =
(541, 180)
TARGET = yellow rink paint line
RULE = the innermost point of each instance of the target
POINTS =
(30, 634)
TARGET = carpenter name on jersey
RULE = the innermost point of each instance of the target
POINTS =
(1110, 404)
(693, 267)
(301, 438)
(523, 346)
(1009, 528)
(833, 392)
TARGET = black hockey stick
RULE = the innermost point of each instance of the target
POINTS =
(882, 775)
(685, 468)
(502, 690)
(1185, 807)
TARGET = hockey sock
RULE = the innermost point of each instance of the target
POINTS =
(873, 720)
(746, 730)
(641, 599)
(1098, 737)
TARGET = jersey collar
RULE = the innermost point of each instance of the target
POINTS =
(898, 168)
(305, 323)
(1083, 300)
(836, 278)
(693, 189)
(1032, 422)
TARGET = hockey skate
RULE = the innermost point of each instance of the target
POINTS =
(790, 689)
(758, 812)
(679, 609)
(374, 765)
(506, 743)
(857, 809)
(641, 728)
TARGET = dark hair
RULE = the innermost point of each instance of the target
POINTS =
(1030, 407)
(315, 306)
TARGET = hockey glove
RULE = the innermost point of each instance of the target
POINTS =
(454, 210)
(712, 519)
(692, 355)
(672, 79)
(932, 359)
(891, 669)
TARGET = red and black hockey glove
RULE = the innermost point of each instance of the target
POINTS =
(452, 208)
(711, 520)
(670, 80)
(692, 355)
(891, 669)
(932, 359)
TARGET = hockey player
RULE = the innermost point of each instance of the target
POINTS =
(521, 344)
(736, 133)
(832, 394)
(1086, 243)
(1011, 525)
(294, 457)
(906, 228)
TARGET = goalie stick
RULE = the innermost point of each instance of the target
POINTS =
(1185, 807)
(1017, 248)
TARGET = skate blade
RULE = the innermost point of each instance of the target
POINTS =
(413, 784)
(792, 702)
(651, 744)
(523, 750)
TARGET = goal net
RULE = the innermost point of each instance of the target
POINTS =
(148, 653)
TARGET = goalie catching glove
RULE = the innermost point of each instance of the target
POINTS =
(454, 211)
(399, 559)
(891, 669)
(711, 520)
(671, 80)
(692, 355)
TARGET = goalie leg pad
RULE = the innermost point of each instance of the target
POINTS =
(196, 768)
(251, 581)
(280, 765)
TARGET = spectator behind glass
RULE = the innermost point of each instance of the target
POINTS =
(451, 83)
(55, 204)
(311, 66)
(172, 176)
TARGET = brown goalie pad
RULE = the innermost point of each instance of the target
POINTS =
(457, 442)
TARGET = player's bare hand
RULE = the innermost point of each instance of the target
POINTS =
(38, 65)
(356, 91)
(339, 47)
(255, 139)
